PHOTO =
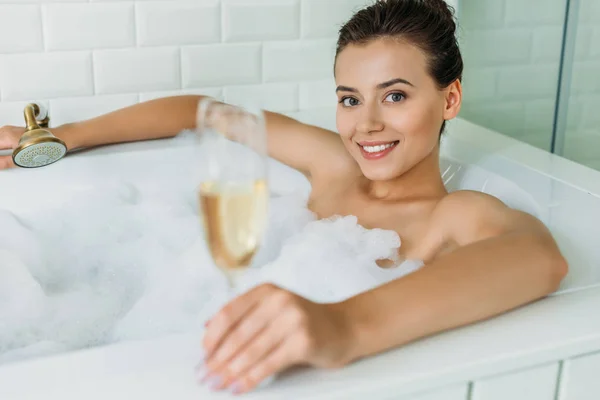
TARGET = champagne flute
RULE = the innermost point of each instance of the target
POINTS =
(233, 195)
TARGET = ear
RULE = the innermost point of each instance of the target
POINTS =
(453, 95)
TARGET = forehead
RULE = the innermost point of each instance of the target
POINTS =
(378, 61)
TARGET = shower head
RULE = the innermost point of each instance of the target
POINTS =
(38, 146)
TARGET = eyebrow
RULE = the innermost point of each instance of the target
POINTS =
(382, 85)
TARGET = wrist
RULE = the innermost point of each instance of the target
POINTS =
(356, 328)
(67, 133)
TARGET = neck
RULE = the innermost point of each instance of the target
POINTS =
(424, 180)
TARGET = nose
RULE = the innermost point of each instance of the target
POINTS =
(369, 121)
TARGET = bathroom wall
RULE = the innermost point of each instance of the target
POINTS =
(83, 58)
(582, 138)
(512, 54)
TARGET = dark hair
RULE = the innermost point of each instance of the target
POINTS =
(427, 24)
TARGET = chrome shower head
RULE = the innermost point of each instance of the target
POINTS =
(38, 147)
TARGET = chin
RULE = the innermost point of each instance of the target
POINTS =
(380, 174)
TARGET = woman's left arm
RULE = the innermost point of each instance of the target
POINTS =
(504, 259)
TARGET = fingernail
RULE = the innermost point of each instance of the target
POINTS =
(236, 388)
(200, 370)
(214, 382)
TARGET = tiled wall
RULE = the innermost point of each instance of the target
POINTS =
(582, 139)
(83, 58)
(512, 53)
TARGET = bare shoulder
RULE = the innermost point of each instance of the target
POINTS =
(469, 216)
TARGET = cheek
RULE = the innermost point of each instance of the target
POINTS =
(344, 126)
(420, 123)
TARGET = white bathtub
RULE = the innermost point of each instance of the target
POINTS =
(541, 351)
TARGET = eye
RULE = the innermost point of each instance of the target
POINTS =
(395, 97)
(349, 101)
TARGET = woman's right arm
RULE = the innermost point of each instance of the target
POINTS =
(291, 142)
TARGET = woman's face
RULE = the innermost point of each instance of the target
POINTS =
(390, 110)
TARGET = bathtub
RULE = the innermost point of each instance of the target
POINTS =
(546, 350)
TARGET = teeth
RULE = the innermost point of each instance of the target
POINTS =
(377, 149)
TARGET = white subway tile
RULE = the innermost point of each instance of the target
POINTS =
(593, 163)
(300, 60)
(217, 65)
(316, 94)
(585, 11)
(278, 97)
(539, 114)
(583, 43)
(582, 146)
(594, 10)
(88, 26)
(497, 47)
(542, 139)
(11, 112)
(75, 109)
(479, 83)
(45, 75)
(547, 44)
(118, 71)
(324, 18)
(595, 43)
(482, 14)
(591, 117)
(178, 22)
(507, 117)
(528, 82)
(216, 93)
(535, 12)
(20, 29)
(585, 77)
(575, 110)
(260, 20)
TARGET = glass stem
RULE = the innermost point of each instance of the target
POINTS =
(233, 277)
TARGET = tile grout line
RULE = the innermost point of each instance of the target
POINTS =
(470, 391)
(559, 380)
(40, 8)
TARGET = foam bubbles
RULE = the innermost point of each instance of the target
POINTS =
(128, 263)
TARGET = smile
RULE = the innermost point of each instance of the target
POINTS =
(372, 151)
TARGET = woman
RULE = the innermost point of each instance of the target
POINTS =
(398, 70)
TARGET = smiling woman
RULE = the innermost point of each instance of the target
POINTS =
(398, 70)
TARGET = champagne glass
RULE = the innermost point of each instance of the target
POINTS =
(233, 195)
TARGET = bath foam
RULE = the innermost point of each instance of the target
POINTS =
(129, 264)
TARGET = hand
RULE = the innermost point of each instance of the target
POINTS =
(9, 139)
(267, 330)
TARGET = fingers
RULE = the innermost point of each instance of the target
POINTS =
(6, 162)
(253, 349)
(280, 358)
(230, 315)
(254, 321)
(9, 136)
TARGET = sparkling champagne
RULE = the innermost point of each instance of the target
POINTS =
(234, 215)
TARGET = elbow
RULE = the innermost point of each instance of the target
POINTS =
(556, 266)
(548, 264)
(558, 270)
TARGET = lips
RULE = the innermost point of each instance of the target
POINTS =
(376, 150)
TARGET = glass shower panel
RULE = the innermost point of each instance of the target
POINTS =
(512, 51)
(582, 134)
